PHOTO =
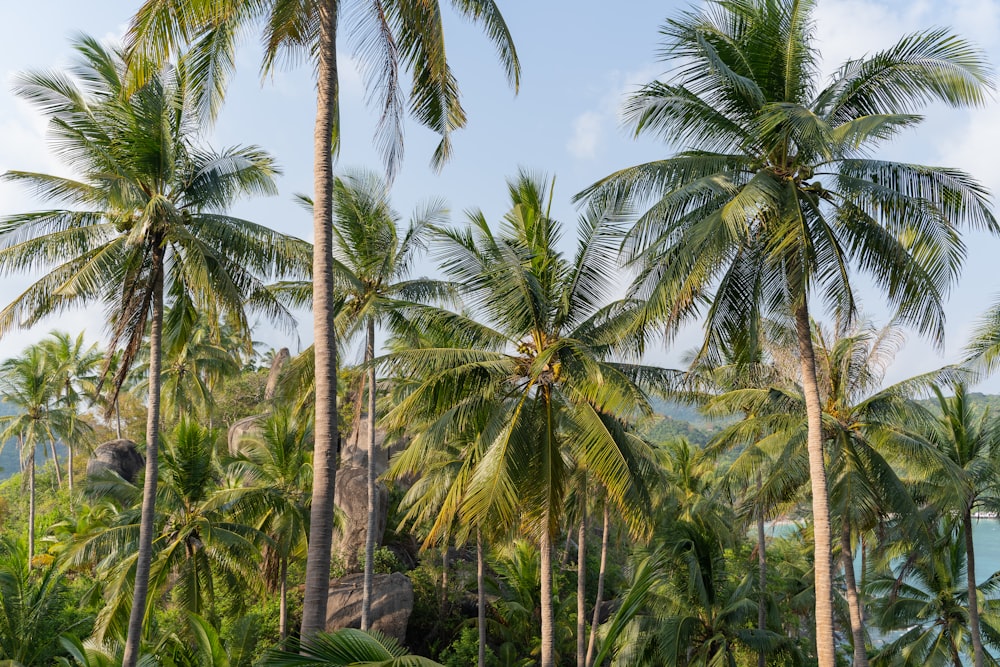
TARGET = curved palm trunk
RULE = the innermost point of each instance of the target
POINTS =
(761, 576)
(600, 586)
(853, 598)
(148, 514)
(31, 506)
(481, 596)
(317, 579)
(548, 620)
(581, 587)
(366, 596)
(825, 648)
(978, 656)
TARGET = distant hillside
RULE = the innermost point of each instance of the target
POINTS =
(8, 453)
(978, 400)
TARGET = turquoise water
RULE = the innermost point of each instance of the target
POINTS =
(986, 533)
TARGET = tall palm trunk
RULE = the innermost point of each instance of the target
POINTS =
(55, 461)
(317, 580)
(31, 506)
(825, 648)
(853, 598)
(600, 585)
(761, 576)
(974, 630)
(481, 596)
(148, 513)
(283, 602)
(366, 595)
(581, 584)
(548, 619)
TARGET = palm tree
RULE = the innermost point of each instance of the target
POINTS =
(199, 545)
(26, 384)
(155, 230)
(924, 600)
(535, 380)
(273, 475)
(774, 196)
(76, 377)
(390, 35)
(371, 264)
(969, 442)
(348, 647)
(30, 606)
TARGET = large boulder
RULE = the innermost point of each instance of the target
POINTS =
(351, 496)
(242, 428)
(118, 456)
(392, 603)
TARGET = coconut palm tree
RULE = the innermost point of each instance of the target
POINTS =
(199, 547)
(922, 601)
(535, 378)
(774, 197)
(390, 36)
(76, 378)
(272, 476)
(348, 647)
(969, 442)
(28, 384)
(146, 225)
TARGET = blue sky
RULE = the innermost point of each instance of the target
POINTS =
(579, 59)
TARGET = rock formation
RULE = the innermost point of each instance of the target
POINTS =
(119, 456)
(392, 603)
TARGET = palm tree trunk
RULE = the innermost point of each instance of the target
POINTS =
(761, 575)
(853, 599)
(144, 557)
(69, 468)
(825, 647)
(317, 579)
(978, 657)
(366, 595)
(118, 421)
(481, 596)
(55, 462)
(581, 586)
(31, 506)
(444, 579)
(283, 602)
(592, 644)
(548, 619)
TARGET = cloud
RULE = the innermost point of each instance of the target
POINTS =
(587, 131)
(591, 126)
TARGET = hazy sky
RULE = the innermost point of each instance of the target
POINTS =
(579, 59)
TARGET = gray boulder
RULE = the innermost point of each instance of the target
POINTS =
(242, 428)
(392, 603)
(118, 456)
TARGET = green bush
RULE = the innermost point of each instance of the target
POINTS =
(464, 651)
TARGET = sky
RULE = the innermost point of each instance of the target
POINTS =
(579, 61)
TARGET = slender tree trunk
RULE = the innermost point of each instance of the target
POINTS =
(825, 647)
(31, 506)
(69, 469)
(366, 595)
(444, 578)
(317, 579)
(118, 421)
(55, 462)
(605, 530)
(148, 513)
(581, 586)
(761, 575)
(481, 596)
(283, 602)
(853, 599)
(548, 619)
(978, 657)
